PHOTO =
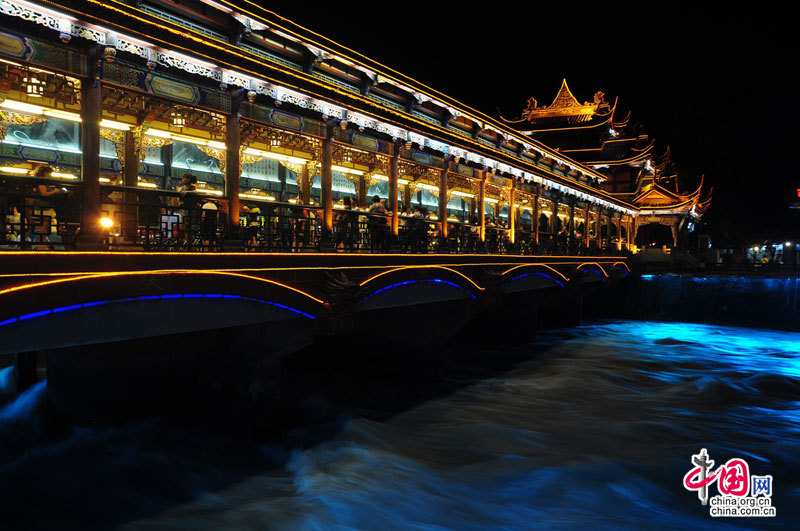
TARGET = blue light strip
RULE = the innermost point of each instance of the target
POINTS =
(602, 277)
(531, 274)
(439, 280)
(61, 309)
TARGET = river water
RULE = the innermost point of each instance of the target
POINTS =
(592, 427)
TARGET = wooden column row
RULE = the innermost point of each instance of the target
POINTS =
(91, 114)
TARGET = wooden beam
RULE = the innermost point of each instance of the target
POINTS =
(443, 199)
(91, 114)
(326, 183)
(512, 212)
(394, 173)
(233, 163)
(482, 204)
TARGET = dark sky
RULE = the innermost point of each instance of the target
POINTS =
(718, 85)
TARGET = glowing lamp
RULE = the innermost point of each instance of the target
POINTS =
(178, 120)
(106, 222)
(34, 88)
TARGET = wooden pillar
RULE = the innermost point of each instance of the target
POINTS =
(233, 165)
(304, 186)
(535, 224)
(586, 226)
(394, 172)
(326, 183)
(130, 172)
(361, 191)
(630, 233)
(619, 231)
(407, 196)
(673, 227)
(166, 157)
(512, 213)
(130, 177)
(282, 172)
(91, 114)
(599, 235)
(633, 231)
(443, 200)
(482, 205)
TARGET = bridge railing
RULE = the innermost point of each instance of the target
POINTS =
(42, 214)
(158, 220)
(39, 214)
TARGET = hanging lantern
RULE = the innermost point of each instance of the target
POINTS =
(178, 119)
(275, 142)
(34, 88)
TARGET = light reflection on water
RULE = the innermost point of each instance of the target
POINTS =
(594, 430)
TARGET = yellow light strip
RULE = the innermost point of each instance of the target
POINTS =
(158, 133)
(167, 272)
(147, 185)
(111, 124)
(370, 279)
(615, 264)
(190, 139)
(557, 272)
(342, 169)
(12, 169)
(64, 175)
(259, 269)
(385, 178)
(463, 194)
(594, 264)
(23, 107)
(275, 156)
(64, 115)
(208, 191)
(256, 196)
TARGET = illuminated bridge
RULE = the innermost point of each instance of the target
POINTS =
(55, 300)
(182, 190)
(132, 317)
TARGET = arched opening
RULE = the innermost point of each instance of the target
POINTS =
(654, 235)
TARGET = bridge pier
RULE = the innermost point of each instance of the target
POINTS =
(563, 312)
(25, 370)
(511, 319)
(227, 380)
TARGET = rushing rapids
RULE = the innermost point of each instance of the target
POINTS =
(592, 426)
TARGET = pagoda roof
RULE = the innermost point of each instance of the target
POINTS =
(565, 112)
(615, 151)
(655, 197)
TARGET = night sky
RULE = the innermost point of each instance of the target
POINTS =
(717, 85)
